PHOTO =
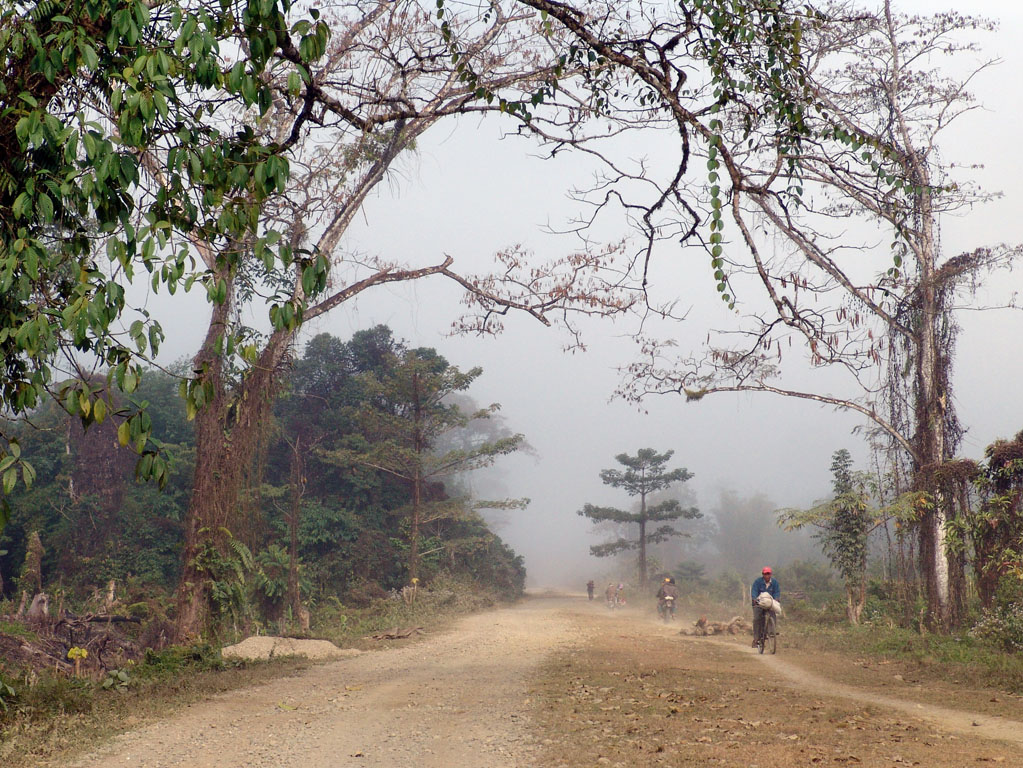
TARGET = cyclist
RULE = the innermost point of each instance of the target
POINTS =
(766, 583)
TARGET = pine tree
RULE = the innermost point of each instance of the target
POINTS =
(644, 474)
(843, 524)
(412, 410)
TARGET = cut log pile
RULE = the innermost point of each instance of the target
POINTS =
(702, 627)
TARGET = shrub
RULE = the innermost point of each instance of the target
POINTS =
(1002, 625)
(365, 592)
(177, 658)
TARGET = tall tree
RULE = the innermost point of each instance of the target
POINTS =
(411, 410)
(883, 104)
(389, 74)
(844, 523)
(315, 410)
(645, 473)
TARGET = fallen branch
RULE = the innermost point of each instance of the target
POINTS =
(110, 619)
(396, 634)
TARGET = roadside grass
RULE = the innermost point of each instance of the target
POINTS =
(17, 629)
(47, 717)
(967, 659)
(431, 609)
(52, 717)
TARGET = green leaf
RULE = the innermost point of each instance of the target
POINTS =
(28, 474)
(10, 480)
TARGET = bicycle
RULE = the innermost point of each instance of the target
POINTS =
(769, 638)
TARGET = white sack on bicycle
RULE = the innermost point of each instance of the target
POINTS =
(768, 603)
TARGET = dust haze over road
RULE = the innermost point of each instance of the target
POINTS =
(480, 694)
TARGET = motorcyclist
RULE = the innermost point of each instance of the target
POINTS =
(766, 583)
(667, 589)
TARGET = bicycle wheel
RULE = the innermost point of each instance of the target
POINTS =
(771, 636)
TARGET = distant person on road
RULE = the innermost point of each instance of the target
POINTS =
(665, 591)
(620, 594)
(609, 595)
(668, 589)
(766, 583)
(590, 586)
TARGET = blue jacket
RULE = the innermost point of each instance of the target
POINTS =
(761, 586)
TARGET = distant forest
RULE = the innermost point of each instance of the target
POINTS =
(330, 489)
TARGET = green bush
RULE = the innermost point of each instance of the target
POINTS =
(1003, 627)
(177, 658)
(1002, 624)
(117, 680)
(818, 581)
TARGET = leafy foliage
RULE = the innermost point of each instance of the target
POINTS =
(95, 522)
(225, 577)
(1002, 621)
(843, 524)
(7, 695)
(994, 525)
(116, 680)
(114, 163)
(353, 523)
(408, 408)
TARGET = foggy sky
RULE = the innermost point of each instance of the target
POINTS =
(467, 195)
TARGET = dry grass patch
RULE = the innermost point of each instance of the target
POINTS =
(639, 699)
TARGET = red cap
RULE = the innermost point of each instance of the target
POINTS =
(767, 569)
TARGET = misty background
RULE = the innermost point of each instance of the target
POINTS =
(472, 192)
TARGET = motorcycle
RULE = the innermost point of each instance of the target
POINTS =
(666, 608)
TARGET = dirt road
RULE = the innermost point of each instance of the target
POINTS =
(561, 682)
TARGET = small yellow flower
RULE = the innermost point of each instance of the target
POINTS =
(77, 653)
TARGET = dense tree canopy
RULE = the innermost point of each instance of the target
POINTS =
(351, 530)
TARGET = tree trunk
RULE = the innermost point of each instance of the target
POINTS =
(419, 447)
(226, 428)
(642, 544)
(297, 487)
(855, 599)
(931, 418)
(215, 491)
(413, 554)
